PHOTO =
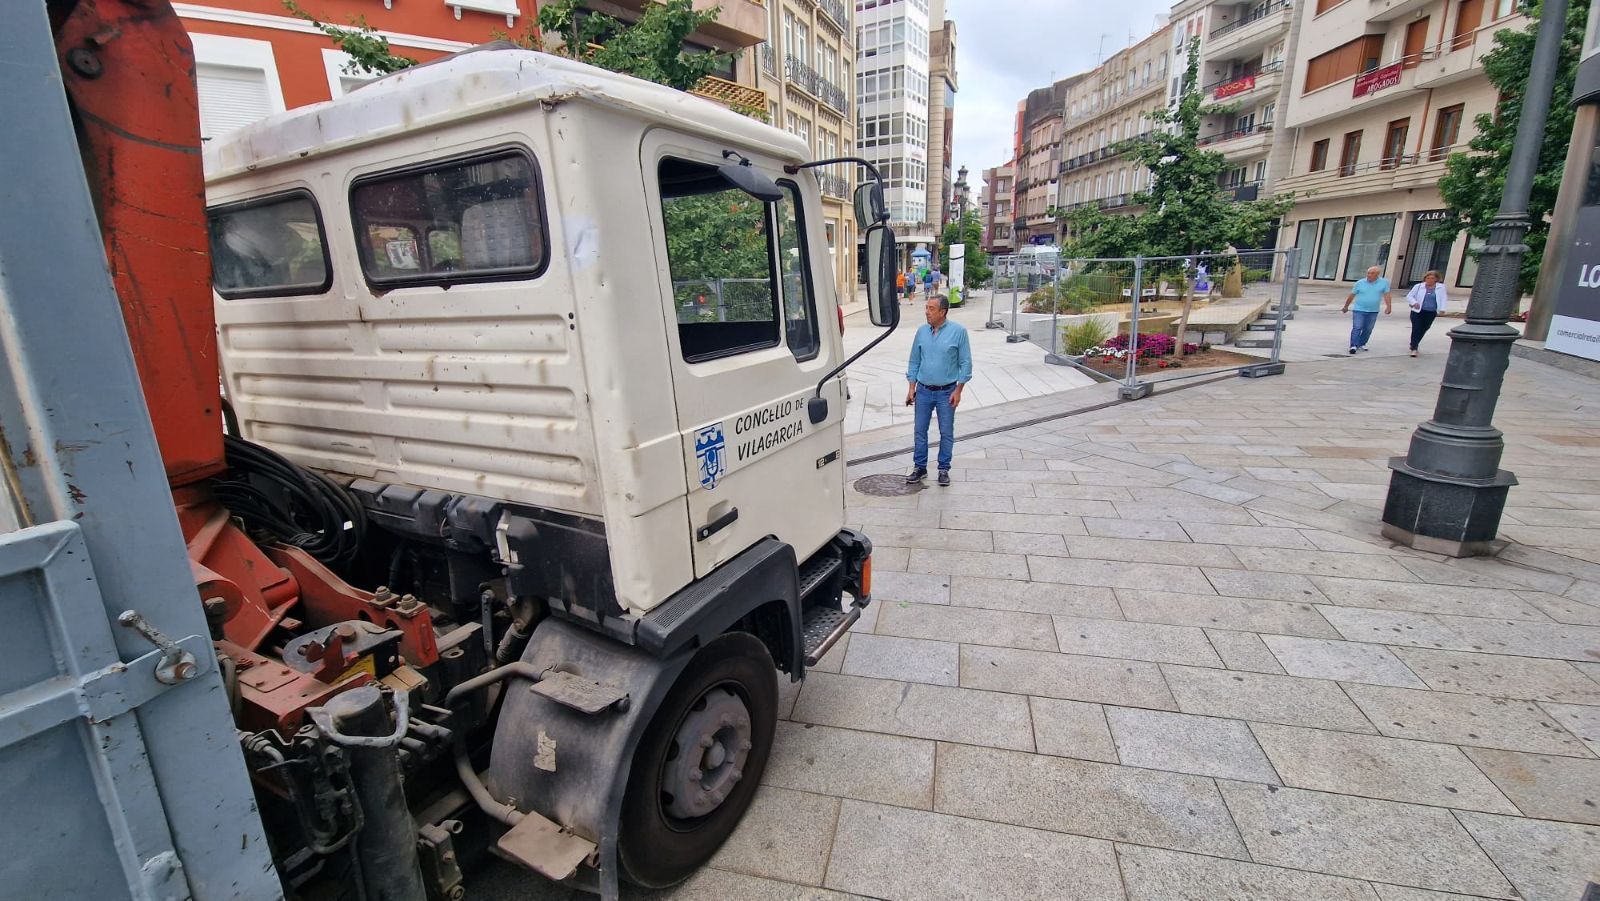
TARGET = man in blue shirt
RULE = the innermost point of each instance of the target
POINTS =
(941, 365)
(1368, 294)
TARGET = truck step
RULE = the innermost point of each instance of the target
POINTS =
(823, 628)
(816, 572)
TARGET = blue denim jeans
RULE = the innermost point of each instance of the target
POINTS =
(1361, 327)
(926, 403)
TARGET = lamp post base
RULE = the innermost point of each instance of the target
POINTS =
(1445, 515)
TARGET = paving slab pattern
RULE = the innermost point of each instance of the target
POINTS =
(1091, 674)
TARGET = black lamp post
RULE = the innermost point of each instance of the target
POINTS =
(1447, 494)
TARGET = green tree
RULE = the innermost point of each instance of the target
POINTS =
(1186, 212)
(1475, 179)
(651, 47)
(966, 230)
(369, 51)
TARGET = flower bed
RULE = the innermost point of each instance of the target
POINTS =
(1153, 352)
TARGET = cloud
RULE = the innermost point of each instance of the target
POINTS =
(1006, 48)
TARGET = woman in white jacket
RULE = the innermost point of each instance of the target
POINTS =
(1427, 300)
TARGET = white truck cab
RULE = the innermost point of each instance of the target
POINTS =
(571, 340)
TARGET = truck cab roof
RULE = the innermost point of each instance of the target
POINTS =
(475, 83)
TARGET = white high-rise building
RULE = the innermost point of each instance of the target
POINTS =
(892, 108)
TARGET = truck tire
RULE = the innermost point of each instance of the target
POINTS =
(699, 762)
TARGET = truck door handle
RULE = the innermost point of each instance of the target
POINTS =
(712, 528)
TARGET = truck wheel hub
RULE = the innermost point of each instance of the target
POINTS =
(709, 755)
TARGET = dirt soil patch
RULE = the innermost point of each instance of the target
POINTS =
(1205, 359)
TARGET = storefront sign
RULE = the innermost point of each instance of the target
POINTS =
(1430, 216)
(1575, 328)
(1238, 86)
(1372, 82)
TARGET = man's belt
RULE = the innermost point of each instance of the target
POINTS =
(937, 387)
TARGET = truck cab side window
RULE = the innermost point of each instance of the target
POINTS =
(720, 251)
(272, 247)
(799, 301)
(477, 219)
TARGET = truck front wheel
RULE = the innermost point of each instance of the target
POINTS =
(699, 762)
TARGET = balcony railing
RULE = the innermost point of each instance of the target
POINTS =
(1230, 135)
(836, 11)
(1249, 190)
(812, 82)
(1255, 14)
(833, 185)
(769, 59)
(1246, 81)
(733, 95)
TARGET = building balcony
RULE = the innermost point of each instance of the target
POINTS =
(1240, 142)
(833, 185)
(1459, 58)
(1354, 94)
(1253, 31)
(737, 97)
(1412, 170)
(807, 79)
(1247, 89)
(836, 11)
(1250, 190)
(1387, 10)
(740, 22)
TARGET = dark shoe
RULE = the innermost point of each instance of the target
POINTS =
(916, 477)
(944, 477)
(1352, 351)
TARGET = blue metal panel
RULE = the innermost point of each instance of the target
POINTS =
(112, 783)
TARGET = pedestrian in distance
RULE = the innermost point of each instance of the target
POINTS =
(940, 367)
(1427, 300)
(1369, 295)
(910, 284)
(930, 277)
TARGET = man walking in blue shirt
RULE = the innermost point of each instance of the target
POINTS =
(941, 365)
(1368, 294)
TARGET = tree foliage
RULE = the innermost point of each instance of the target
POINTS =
(1475, 179)
(369, 51)
(966, 230)
(1185, 211)
(651, 48)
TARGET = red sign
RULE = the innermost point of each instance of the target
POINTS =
(1376, 80)
(1235, 87)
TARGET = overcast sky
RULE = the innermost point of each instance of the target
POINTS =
(1006, 48)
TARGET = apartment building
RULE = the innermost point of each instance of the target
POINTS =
(806, 71)
(1381, 92)
(1039, 163)
(995, 207)
(1247, 51)
(942, 88)
(1114, 102)
(253, 59)
(892, 110)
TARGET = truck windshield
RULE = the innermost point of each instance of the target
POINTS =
(721, 253)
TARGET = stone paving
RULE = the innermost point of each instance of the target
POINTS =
(1161, 651)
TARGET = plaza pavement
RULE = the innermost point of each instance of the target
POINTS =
(1161, 651)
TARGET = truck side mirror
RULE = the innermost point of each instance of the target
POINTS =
(882, 304)
(870, 208)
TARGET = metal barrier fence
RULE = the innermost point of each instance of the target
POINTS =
(723, 299)
(1059, 304)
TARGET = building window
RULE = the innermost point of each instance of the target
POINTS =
(1328, 250)
(1305, 239)
(1468, 274)
(1394, 143)
(1469, 15)
(1446, 131)
(1349, 153)
(1325, 5)
(1319, 155)
(1369, 244)
(1345, 61)
(237, 80)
